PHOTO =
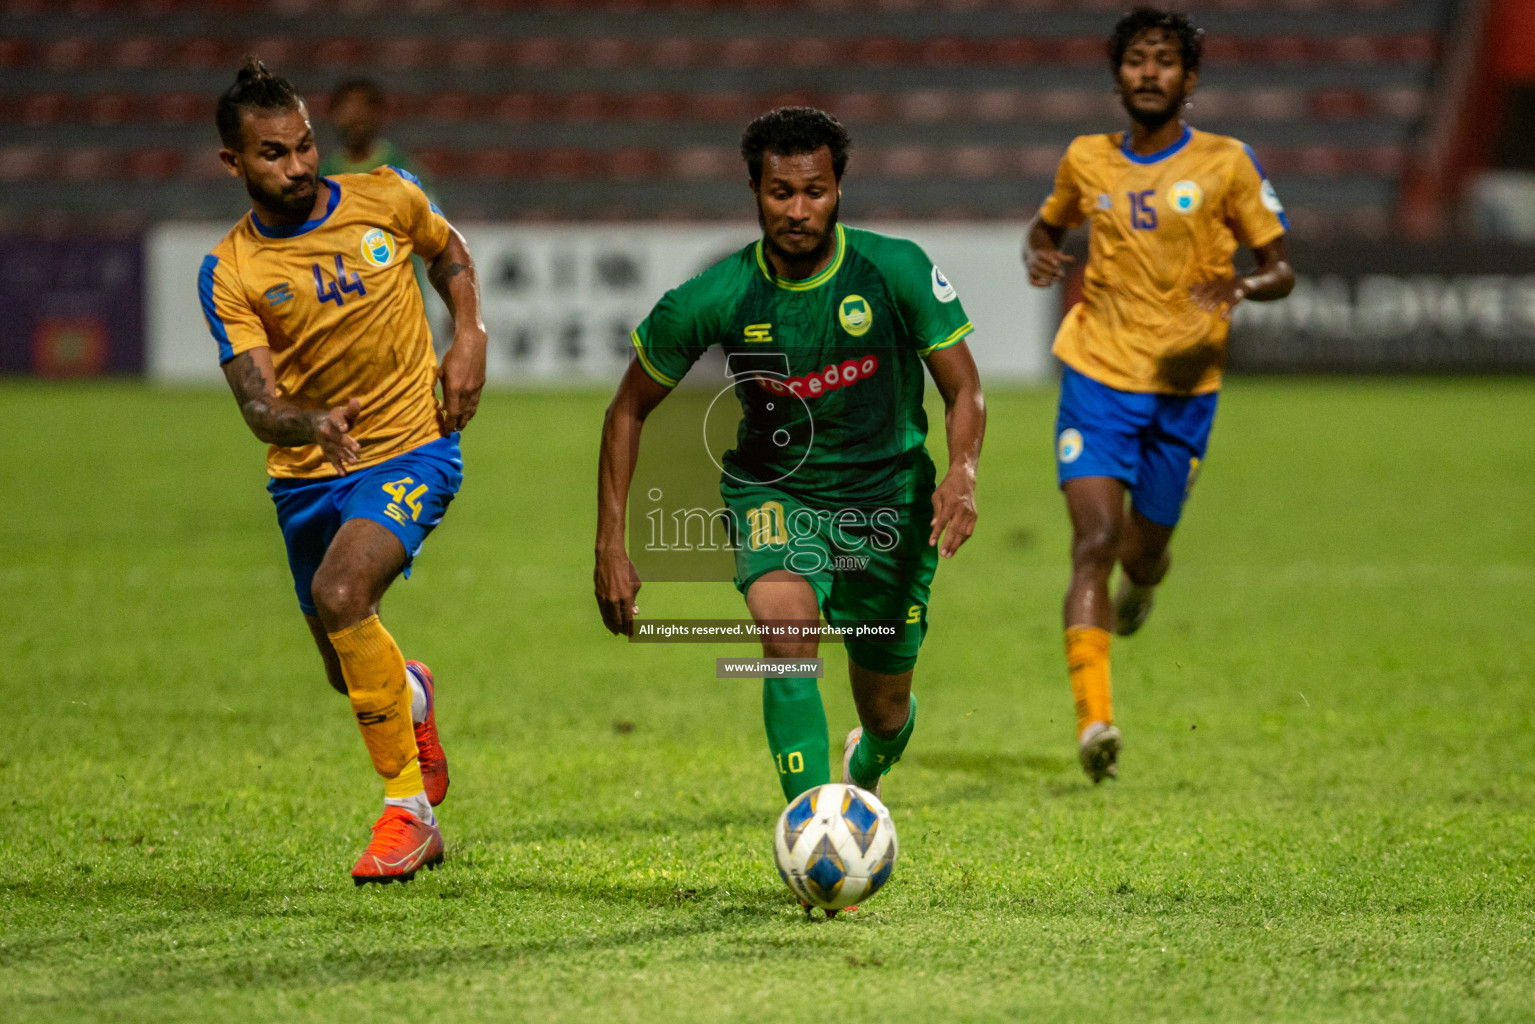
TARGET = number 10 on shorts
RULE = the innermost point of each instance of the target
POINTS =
(404, 498)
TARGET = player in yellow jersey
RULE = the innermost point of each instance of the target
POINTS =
(1143, 350)
(324, 341)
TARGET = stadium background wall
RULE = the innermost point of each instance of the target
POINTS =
(561, 300)
(72, 306)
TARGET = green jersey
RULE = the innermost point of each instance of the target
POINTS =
(828, 370)
(384, 152)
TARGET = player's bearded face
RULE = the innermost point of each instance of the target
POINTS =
(797, 204)
(280, 165)
(1152, 83)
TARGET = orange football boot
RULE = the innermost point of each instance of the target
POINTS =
(401, 844)
(434, 763)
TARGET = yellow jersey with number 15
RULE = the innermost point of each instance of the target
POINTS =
(1159, 224)
(336, 301)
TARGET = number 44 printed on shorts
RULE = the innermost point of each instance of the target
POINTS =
(404, 498)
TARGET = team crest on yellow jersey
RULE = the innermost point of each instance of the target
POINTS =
(855, 316)
(378, 247)
(1186, 196)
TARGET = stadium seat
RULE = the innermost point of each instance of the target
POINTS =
(24, 163)
(489, 163)
(564, 162)
(408, 54)
(927, 105)
(650, 106)
(473, 54)
(44, 108)
(522, 106)
(181, 108)
(72, 53)
(90, 163)
(137, 53)
(206, 53)
(634, 162)
(673, 52)
(109, 108)
(339, 52)
(938, 98)
(861, 107)
(454, 106)
(722, 107)
(610, 52)
(157, 162)
(705, 162)
(586, 106)
(538, 53)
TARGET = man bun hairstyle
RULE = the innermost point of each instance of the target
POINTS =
(1191, 40)
(791, 131)
(256, 88)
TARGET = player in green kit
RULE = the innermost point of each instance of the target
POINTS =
(835, 503)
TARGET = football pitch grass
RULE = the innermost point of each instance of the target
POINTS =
(1326, 810)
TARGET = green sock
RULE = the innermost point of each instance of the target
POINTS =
(796, 732)
(874, 757)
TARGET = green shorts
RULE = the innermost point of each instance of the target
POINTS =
(864, 563)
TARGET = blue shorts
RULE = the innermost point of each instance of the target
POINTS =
(406, 495)
(1153, 443)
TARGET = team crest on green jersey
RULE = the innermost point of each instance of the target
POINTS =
(378, 247)
(855, 315)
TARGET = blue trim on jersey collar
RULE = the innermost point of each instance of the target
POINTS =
(1161, 154)
(294, 230)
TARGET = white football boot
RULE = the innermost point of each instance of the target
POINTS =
(1098, 747)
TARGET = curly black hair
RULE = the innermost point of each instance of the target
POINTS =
(790, 131)
(256, 87)
(1191, 40)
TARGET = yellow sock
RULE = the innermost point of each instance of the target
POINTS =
(374, 670)
(1087, 658)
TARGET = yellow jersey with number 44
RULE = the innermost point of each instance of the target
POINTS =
(1159, 224)
(336, 301)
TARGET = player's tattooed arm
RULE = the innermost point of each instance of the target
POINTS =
(1274, 279)
(285, 423)
(964, 420)
(462, 371)
(1042, 253)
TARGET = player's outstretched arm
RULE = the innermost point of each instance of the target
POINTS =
(462, 371)
(280, 421)
(964, 421)
(1042, 253)
(615, 578)
(1274, 279)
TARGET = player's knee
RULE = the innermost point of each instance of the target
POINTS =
(788, 649)
(340, 602)
(1096, 546)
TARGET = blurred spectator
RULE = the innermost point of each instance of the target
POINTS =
(357, 112)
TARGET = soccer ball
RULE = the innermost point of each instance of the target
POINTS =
(835, 846)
